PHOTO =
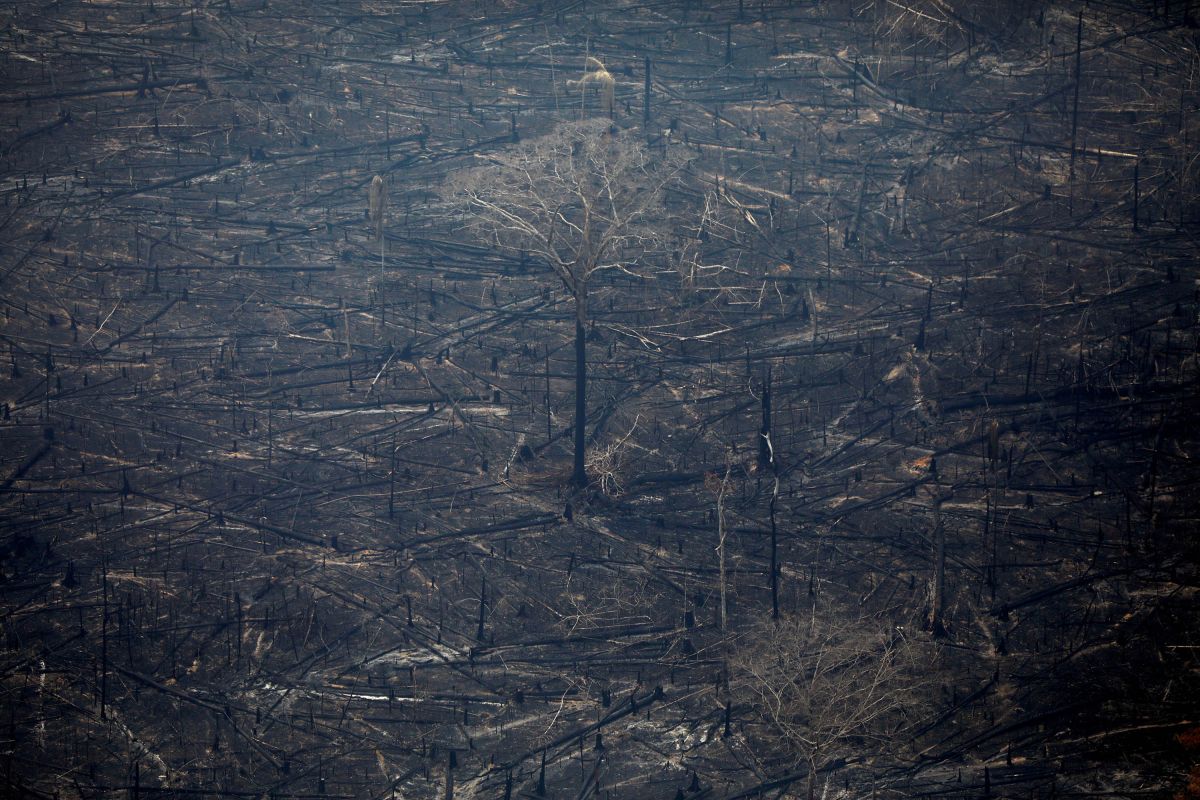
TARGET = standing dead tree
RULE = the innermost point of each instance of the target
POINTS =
(376, 208)
(821, 685)
(584, 199)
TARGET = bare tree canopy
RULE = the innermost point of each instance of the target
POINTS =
(818, 683)
(585, 198)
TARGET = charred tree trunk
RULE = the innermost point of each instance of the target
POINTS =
(774, 555)
(1136, 192)
(579, 474)
(1075, 100)
(646, 99)
(721, 551)
(937, 588)
(766, 448)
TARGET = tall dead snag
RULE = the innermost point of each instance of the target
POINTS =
(934, 623)
(583, 199)
(826, 689)
(774, 551)
(766, 449)
(937, 589)
(376, 206)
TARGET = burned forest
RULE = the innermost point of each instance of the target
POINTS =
(498, 399)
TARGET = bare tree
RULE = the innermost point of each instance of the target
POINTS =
(583, 199)
(818, 684)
